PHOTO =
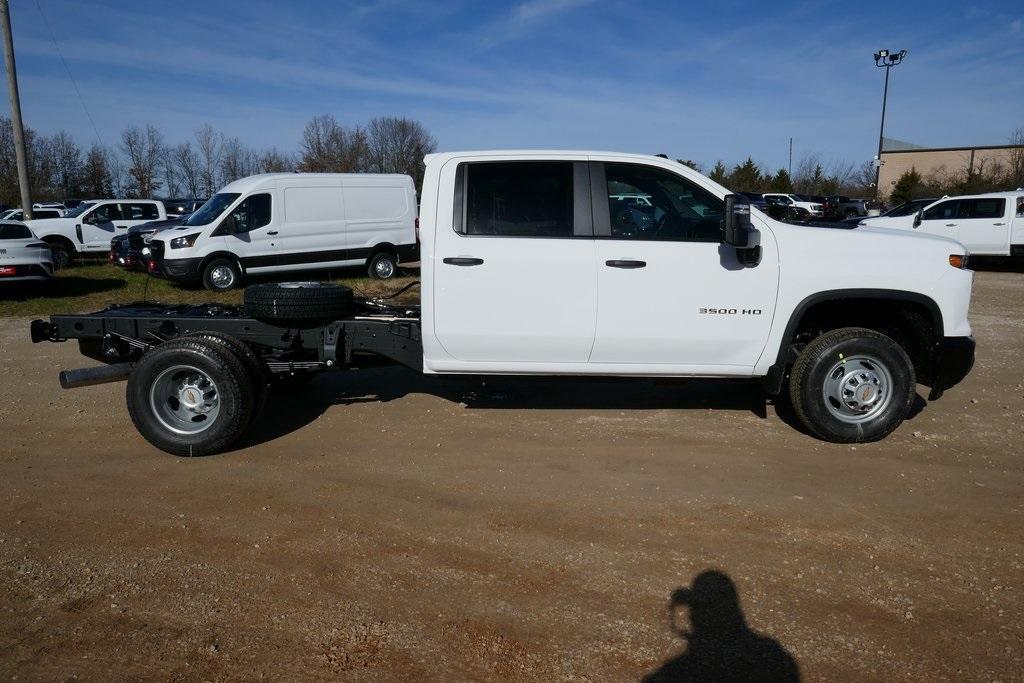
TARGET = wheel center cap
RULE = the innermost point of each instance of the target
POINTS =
(867, 393)
(191, 397)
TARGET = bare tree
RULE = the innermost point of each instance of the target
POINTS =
(120, 184)
(327, 146)
(398, 145)
(236, 161)
(144, 149)
(210, 143)
(273, 161)
(187, 165)
(1015, 165)
(95, 178)
(67, 159)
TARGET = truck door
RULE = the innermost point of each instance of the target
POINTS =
(942, 219)
(99, 226)
(514, 278)
(668, 291)
(984, 225)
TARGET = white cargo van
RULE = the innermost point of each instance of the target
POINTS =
(292, 221)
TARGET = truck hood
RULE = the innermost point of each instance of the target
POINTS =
(901, 234)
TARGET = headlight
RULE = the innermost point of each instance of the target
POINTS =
(184, 241)
(146, 251)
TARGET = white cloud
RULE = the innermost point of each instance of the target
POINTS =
(538, 9)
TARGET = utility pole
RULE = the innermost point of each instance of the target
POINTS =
(19, 131)
(887, 59)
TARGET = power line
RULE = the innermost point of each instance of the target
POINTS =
(53, 39)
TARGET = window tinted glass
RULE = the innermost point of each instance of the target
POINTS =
(941, 211)
(1020, 206)
(519, 199)
(648, 203)
(909, 207)
(982, 208)
(79, 210)
(14, 232)
(140, 212)
(105, 213)
(252, 213)
(213, 208)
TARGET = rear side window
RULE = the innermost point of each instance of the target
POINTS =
(252, 213)
(14, 232)
(139, 212)
(941, 211)
(519, 199)
(982, 208)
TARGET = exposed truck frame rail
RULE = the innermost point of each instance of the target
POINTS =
(122, 334)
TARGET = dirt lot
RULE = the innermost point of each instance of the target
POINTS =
(508, 529)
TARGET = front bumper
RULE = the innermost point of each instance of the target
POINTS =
(176, 270)
(953, 360)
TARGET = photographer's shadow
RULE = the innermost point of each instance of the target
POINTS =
(720, 646)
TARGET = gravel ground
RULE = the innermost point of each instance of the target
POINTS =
(380, 525)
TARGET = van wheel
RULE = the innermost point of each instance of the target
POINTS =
(220, 275)
(190, 397)
(852, 385)
(382, 266)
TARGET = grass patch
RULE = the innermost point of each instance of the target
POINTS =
(88, 288)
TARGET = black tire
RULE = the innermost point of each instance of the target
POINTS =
(259, 377)
(62, 255)
(382, 266)
(227, 372)
(221, 274)
(298, 302)
(840, 354)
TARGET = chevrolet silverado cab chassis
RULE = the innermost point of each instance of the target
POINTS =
(570, 263)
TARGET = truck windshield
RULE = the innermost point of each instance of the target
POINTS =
(78, 210)
(213, 208)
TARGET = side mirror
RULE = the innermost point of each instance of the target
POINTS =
(737, 231)
(917, 219)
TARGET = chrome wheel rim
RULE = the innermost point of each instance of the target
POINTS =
(184, 399)
(384, 268)
(222, 277)
(857, 389)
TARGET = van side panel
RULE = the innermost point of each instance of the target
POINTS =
(379, 211)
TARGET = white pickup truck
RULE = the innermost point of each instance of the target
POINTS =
(571, 263)
(91, 225)
(989, 224)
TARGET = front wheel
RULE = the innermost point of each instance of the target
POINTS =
(852, 385)
(61, 256)
(220, 275)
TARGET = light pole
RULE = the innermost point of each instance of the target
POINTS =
(887, 59)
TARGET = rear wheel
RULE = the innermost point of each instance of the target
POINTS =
(256, 370)
(382, 266)
(190, 397)
(221, 274)
(851, 385)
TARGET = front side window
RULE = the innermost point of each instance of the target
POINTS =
(251, 213)
(1020, 206)
(649, 203)
(519, 199)
(942, 211)
(105, 213)
(982, 208)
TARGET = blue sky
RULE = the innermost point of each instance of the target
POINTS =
(704, 81)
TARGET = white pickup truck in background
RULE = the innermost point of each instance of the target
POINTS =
(572, 263)
(90, 226)
(989, 224)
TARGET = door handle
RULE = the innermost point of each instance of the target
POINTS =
(462, 261)
(626, 264)
(950, 225)
(999, 224)
(272, 232)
